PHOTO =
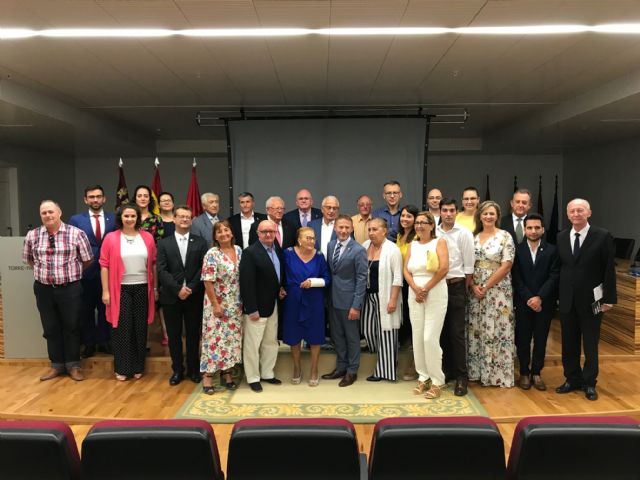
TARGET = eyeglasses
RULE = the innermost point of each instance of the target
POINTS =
(330, 208)
(423, 223)
(275, 208)
(310, 238)
(267, 232)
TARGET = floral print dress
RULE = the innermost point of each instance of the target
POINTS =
(490, 321)
(221, 337)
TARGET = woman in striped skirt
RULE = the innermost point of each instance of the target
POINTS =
(382, 311)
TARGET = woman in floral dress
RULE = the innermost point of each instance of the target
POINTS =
(222, 314)
(490, 321)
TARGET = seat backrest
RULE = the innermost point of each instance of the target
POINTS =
(38, 449)
(292, 449)
(436, 447)
(156, 449)
(624, 247)
(566, 447)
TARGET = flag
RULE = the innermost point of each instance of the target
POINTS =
(487, 193)
(540, 206)
(156, 188)
(552, 231)
(193, 194)
(122, 194)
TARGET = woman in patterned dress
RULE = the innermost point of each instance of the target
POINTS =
(151, 222)
(490, 323)
(222, 313)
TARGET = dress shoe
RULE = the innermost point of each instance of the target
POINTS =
(175, 379)
(590, 393)
(76, 374)
(105, 348)
(52, 373)
(89, 351)
(373, 378)
(348, 379)
(460, 389)
(567, 387)
(256, 387)
(272, 381)
(524, 382)
(334, 375)
(195, 377)
(538, 383)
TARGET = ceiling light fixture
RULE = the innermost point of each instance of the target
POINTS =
(18, 33)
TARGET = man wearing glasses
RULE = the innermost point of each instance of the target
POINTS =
(285, 235)
(323, 227)
(58, 254)
(261, 272)
(433, 202)
(95, 223)
(391, 211)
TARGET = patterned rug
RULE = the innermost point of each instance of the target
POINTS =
(364, 402)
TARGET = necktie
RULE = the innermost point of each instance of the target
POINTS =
(304, 219)
(576, 245)
(275, 261)
(278, 236)
(519, 233)
(98, 232)
(336, 254)
(183, 249)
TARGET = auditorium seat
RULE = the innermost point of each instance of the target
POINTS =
(436, 448)
(153, 449)
(572, 448)
(292, 448)
(38, 449)
(623, 247)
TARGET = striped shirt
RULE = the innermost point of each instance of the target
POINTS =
(57, 261)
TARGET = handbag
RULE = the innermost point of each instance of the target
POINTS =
(433, 264)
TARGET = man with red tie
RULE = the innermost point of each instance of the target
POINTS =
(95, 223)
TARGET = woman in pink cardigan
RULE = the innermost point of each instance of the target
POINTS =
(129, 290)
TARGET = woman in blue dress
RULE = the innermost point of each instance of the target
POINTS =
(306, 275)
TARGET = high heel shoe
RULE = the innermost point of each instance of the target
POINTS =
(297, 380)
(314, 382)
(223, 381)
(207, 389)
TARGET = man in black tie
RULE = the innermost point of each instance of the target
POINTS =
(514, 223)
(261, 272)
(179, 265)
(587, 290)
(535, 272)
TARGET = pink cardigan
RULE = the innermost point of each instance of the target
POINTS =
(110, 258)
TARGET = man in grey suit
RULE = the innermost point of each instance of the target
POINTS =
(347, 261)
(202, 225)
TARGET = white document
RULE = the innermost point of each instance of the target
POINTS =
(598, 293)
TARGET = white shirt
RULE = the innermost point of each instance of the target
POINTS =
(302, 214)
(583, 235)
(134, 258)
(462, 256)
(183, 245)
(212, 219)
(534, 252)
(325, 236)
(344, 244)
(245, 225)
(93, 222)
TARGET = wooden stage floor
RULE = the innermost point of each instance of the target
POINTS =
(99, 397)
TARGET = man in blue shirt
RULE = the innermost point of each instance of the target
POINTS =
(391, 211)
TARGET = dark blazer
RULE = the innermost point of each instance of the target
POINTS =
(236, 226)
(293, 217)
(594, 265)
(288, 235)
(506, 223)
(536, 280)
(83, 222)
(349, 276)
(172, 273)
(259, 285)
(317, 228)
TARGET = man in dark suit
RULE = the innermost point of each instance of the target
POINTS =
(587, 289)
(514, 223)
(95, 223)
(241, 222)
(305, 212)
(285, 232)
(179, 264)
(324, 227)
(347, 261)
(535, 273)
(261, 275)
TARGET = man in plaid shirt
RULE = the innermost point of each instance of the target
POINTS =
(58, 254)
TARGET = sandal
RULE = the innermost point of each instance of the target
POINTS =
(137, 376)
(314, 382)
(433, 392)
(421, 387)
(296, 380)
(208, 389)
(228, 385)
(120, 378)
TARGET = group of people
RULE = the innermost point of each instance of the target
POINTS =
(466, 289)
